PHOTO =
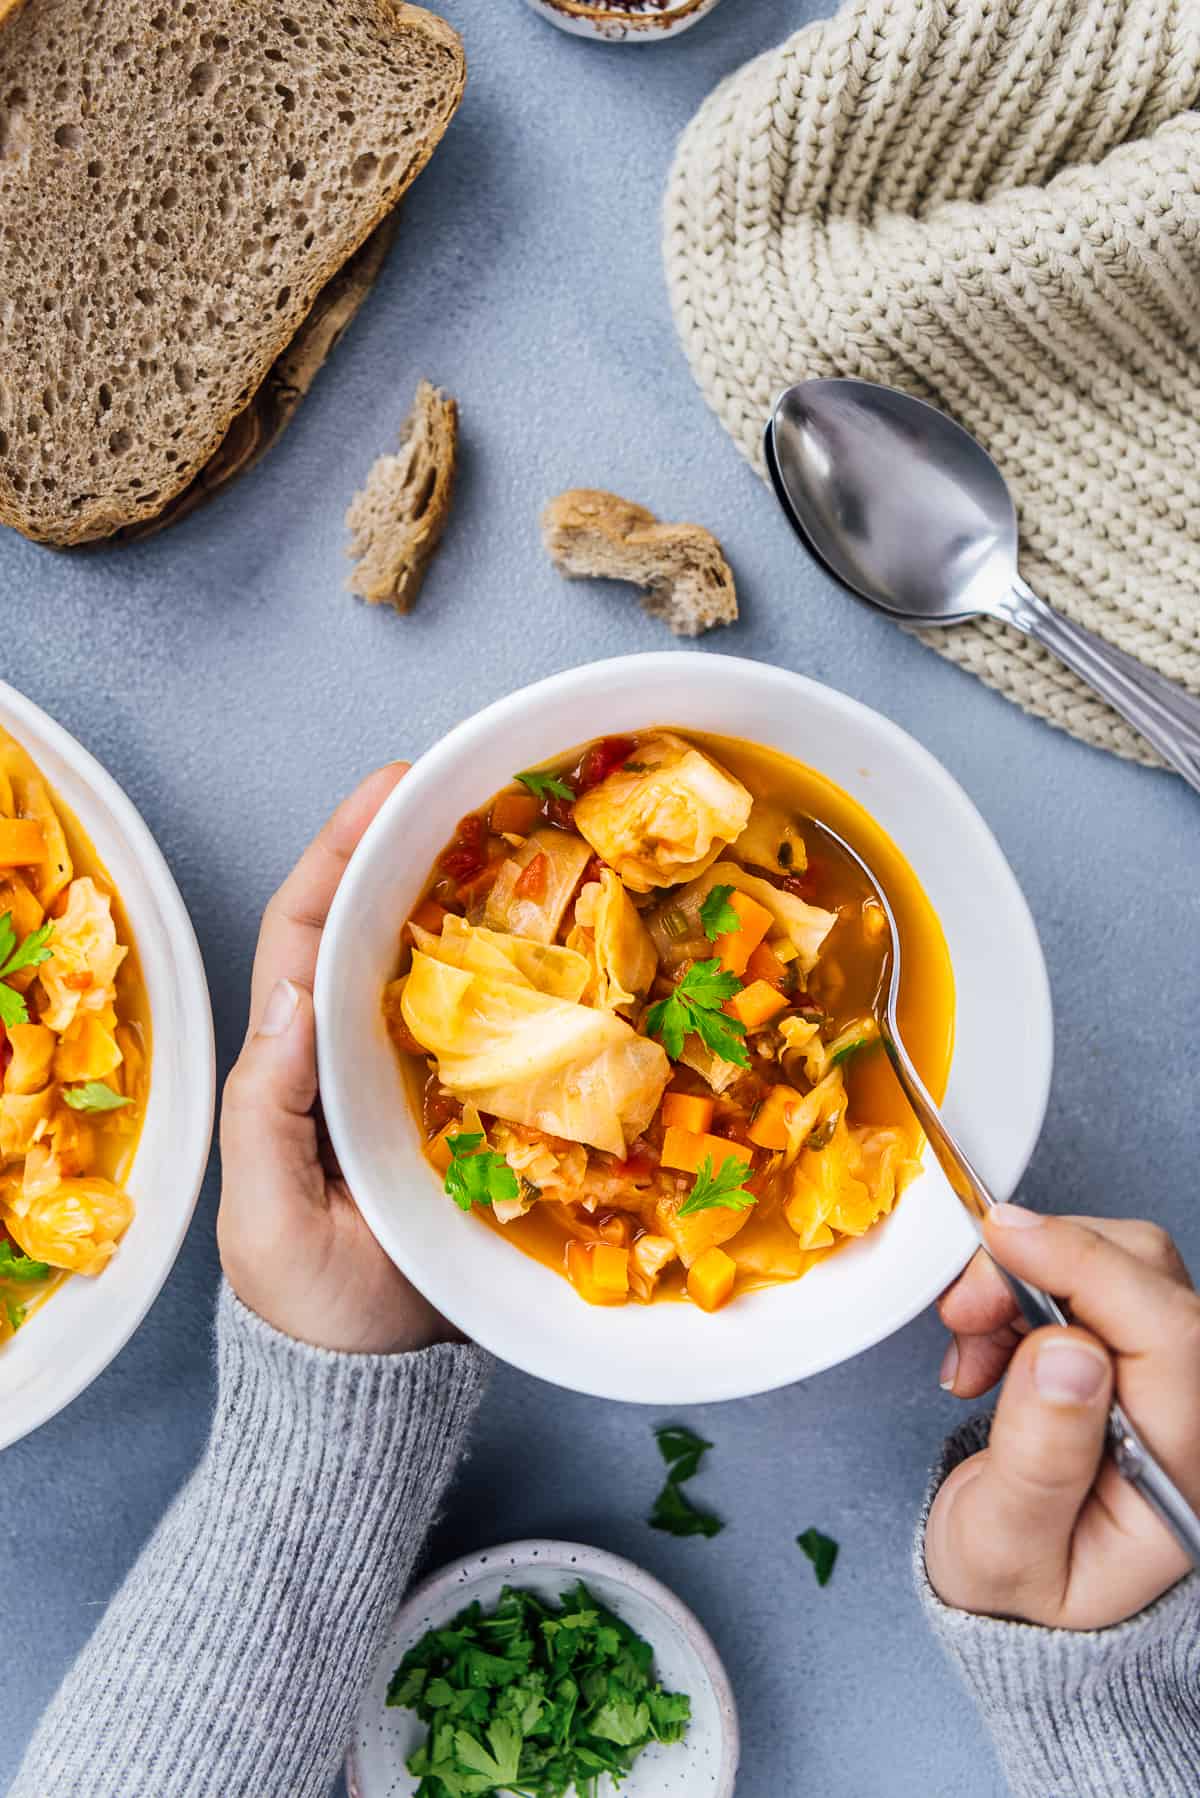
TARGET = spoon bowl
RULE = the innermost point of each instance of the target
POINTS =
(905, 508)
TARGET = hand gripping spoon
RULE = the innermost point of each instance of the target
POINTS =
(907, 510)
(1130, 1454)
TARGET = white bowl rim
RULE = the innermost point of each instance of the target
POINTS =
(195, 1140)
(577, 1560)
(487, 723)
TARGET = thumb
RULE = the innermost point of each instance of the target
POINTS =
(267, 1125)
(1000, 1532)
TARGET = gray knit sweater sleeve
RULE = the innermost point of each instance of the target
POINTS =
(232, 1659)
(1111, 1713)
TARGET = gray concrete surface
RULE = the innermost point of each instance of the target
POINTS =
(230, 684)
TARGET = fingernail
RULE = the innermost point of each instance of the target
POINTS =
(280, 1009)
(949, 1371)
(1013, 1217)
(1067, 1373)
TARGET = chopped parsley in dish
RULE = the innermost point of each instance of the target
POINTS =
(534, 1698)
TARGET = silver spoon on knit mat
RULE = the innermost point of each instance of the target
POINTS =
(1131, 1457)
(909, 511)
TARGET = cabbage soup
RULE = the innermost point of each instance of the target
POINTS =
(634, 1009)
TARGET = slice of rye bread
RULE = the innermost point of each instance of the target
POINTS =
(260, 425)
(177, 183)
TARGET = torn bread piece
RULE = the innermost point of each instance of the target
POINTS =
(687, 581)
(396, 521)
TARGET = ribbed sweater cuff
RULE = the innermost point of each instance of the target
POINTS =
(234, 1655)
(1111, 1713)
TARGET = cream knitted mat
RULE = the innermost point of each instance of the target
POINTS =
(996, 205)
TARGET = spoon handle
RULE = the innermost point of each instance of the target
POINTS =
(1165, 713)
(1132, 1459)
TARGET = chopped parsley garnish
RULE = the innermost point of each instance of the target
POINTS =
(542, 784)
(681, 1449)
(717, 915)
(675, 1513)
(14, 957)
(694, 1008)
(477, 1176)
(724, 1188)
(93, 1095)
(16, 1314)
(822, 1551)
(673, 1510)
(533, 1698)
(20, 1267)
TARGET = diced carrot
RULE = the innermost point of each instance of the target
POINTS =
(599, 1272)
(531, 881)
(756, 1004)
(22, 842)
(514, 814)
(764, 964)
(737, 946)
(770, 1126)
(710, 1279)
(687, 1149)
(688, 1112)
(430, 915)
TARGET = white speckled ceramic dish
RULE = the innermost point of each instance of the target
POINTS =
(638, 22)
(703, 1765)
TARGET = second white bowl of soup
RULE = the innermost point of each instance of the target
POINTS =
(106, 1068)
(596, 1045)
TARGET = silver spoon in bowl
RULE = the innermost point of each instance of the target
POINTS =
(1132, 1458)
(906, 509)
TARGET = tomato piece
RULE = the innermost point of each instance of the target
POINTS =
(559, 812)
(470, 892)
(531, 881)
(468, 852)
(602, 759)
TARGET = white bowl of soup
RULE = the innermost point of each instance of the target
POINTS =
(106, 1068)
(594, 1025)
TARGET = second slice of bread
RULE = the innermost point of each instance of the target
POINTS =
(177, 183)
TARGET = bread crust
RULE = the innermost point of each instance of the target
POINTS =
(107, 514)
(397, 520)
(686, 580)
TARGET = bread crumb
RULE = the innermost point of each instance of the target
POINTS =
(396, 521)
(687, 581)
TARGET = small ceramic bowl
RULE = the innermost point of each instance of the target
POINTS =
(675, 1354)
(703, 1765)
(73, 1337)
(624, 21)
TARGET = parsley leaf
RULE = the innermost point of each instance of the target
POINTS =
(30, 954)
(541, 784)
(16, 1314)
(20, 1267)
(717, 915)
(822, 1551)
(93, 1095)
(681, 1449)
(694, 1008)
(477, 1176)
(724, 1188)
(675, 1513)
